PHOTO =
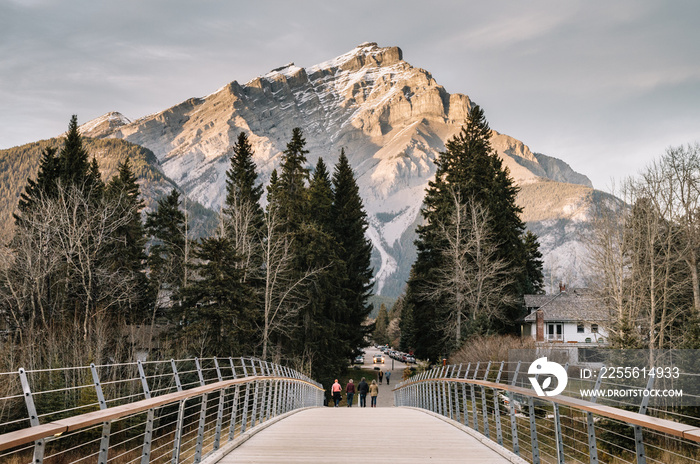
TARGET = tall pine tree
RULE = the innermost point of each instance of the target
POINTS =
(327, 331)
(349, 222)
(166, 259)
(43, 186)
(131, 256)
(242, 185)
(468, 169)
(73, 158)
(216, 310)
(243, 217)
(291, 194)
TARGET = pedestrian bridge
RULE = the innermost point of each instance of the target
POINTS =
(246, 410)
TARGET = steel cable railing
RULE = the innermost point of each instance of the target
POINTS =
(176, 411)
(560, 429)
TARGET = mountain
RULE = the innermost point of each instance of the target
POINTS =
(392, 119)
(22, 162)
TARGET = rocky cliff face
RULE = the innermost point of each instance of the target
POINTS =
(391, 118)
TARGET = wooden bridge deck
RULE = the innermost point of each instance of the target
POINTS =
(352, 435)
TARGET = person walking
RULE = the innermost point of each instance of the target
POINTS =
(387, 375)
(350, 391)
(373, 392)
(363, 389)
(335, 390)
(380, 376)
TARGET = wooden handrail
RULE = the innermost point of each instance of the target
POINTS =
(28, 435)
(677, 429)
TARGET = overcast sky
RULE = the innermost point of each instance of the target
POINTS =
(606, 86)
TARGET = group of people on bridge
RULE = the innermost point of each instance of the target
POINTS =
(362, 389)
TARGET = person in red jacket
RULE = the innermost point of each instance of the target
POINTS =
(335, 391)
(350, 390)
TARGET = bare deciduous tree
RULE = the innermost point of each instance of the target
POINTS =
(473, 280)
(59, 284)
(282, 292)
(643, 253)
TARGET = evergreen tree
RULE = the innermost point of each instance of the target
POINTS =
(321, 196)
(381, 326)
(291, 188)
(241, 180)
(468, 169)
(73, 158)
(166, 260)
(130, 256)
(216, 308)
(95, 186)
(349, 222)
(533, 265)
(324, 322)
(44, 185)
(273, 187)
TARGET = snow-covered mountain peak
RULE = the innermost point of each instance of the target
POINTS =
(105, 124)
(365, 54)
(391, 118)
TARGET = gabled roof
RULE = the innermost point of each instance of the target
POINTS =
(576, 305)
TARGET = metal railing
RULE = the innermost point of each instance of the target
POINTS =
(176, 411)
(558, 429)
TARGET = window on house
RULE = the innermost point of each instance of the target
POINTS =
(579, 328)
(594, 328)
(555, 331)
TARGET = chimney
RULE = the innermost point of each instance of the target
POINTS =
(562, 287)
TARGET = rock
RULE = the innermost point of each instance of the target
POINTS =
(392, 119)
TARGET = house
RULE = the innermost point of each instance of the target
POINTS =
(567, 317)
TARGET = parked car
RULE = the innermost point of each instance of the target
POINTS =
(410, 359)
(378, 359)
(359, 359)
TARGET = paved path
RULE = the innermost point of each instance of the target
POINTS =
(386, 397)
(354, 435)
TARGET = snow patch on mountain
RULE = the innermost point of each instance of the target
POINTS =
(392, 120)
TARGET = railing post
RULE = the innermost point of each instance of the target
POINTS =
(592, 446)
(429, 391)
(39, 445)
(557, 428)
(496, 406)
(448, 399)
(275, 404)
(456, 394)
(202, 416)
(263, 393)
(287, 387)
(146, 454)
(220, 411)
(180, 417)
(475, 419)
(465, 408)
(484, 406)
(638, 437)
(533, 431)
(270, 393)
(511, 404)
(244, 413)
(106, 426)
(434, 392)
(234, 406)
(256, 391)
(438, 389)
